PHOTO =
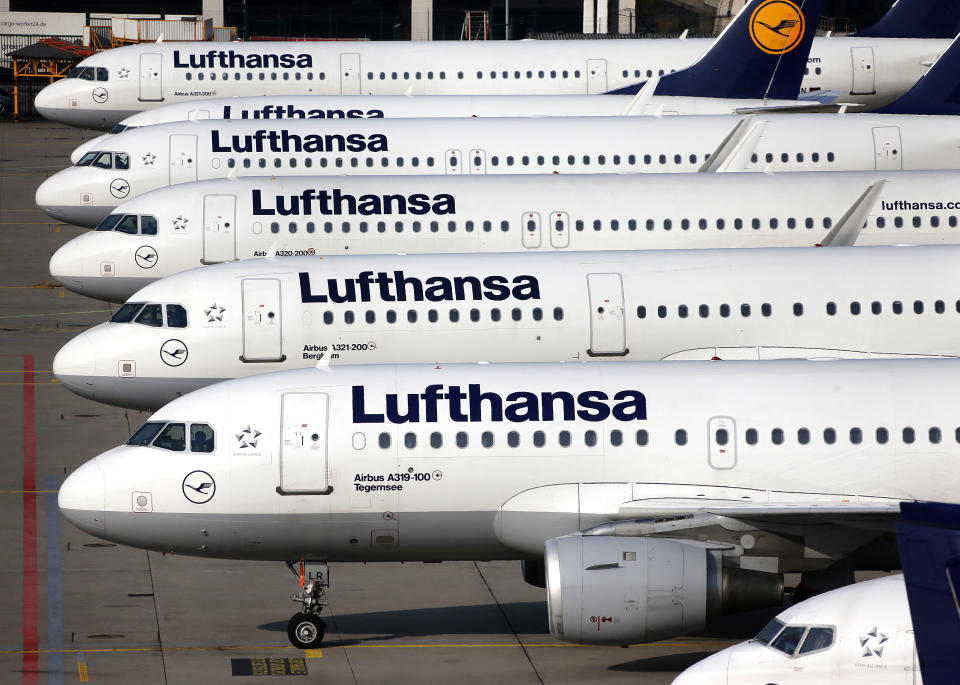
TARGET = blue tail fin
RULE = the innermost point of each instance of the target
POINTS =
(929, 541)
(917, 19)
(761, 54)
(937, 91)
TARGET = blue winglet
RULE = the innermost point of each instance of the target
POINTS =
(761, 54)
(917, 19)
(929, 541)
(937, 91)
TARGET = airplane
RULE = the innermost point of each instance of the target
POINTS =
(654, 494)
(151, 157)
(916, 19)
(896, 630)
(107, 87)
(757, 76)
(240, 318)
(169, 230)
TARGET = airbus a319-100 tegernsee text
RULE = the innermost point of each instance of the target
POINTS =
(179, 227)
(107, 87)
(654, 494)
(199, 327)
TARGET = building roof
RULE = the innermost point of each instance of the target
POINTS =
(52, 48)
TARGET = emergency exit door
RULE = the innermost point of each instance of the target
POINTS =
(887, 147)
(723, 442)
(608, 336)
(596, 76)
(303, 444)
(219, 228)
(478, 162)
(262, 333)
(864, 75)
(349, 73)
(151, 77)
(183, 158)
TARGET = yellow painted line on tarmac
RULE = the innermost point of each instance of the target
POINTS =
(313, 653)
(717, 644)
(82, 671)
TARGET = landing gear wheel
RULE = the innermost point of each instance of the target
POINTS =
(305, 631)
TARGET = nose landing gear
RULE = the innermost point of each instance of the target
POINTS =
(305, 629)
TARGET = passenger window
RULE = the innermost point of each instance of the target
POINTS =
(681, 436)
(122, 160)
(172, 438)
(128, 224)
(539, 439)
(829, 436)
(462, 439)
(436, 440)
(803, 436)
(616, 438)
(776, 436)
(751, 436)
(883, 435)
(856, 436)
(148, 225)
(642, 438)
(151, 315)
(384, 440)
(409, 440)
(201, 437)
(564, 438)
(145, 434)
(486, 439)
(908, 435)
(176, 316)
(934, 435)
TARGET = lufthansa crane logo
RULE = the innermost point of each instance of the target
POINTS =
(777, 26)
(119, 188)
(199, 487)
(173, 352)
(146, 257)
(100, 95)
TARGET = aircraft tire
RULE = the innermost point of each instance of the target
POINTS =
(305, 631)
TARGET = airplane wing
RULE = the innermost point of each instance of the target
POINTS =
(802, 107)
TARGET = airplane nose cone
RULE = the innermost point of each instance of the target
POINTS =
(46, 102)
(82, 498)
(75, 366)
(709, 671)
(66, 269)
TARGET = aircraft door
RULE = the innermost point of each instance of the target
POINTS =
(864, 76)
(151, 77)
(887, 147)
(530, 225)
(349, 73)
(723, 442)
(303, 443)
(478, 162)
(596, 76)
(262, 334)
(183, 158)
(559, 229)
(219, 228)
(454, 165)
(608, 335)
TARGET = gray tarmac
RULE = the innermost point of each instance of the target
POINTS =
(76, 609)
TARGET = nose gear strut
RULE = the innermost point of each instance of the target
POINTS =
(305, 629)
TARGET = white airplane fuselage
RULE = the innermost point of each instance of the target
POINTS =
(173, 229)
(860, 633)
(414, 462)
(131, 79)
(236, 319)
(145, 159)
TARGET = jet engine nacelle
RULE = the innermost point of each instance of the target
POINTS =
(623, 590)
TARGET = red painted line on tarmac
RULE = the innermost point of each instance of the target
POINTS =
(30, 659)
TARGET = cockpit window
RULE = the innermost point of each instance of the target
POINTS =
(103, 74)
(176, 316)
(128, 224)
(817, 639)
(110, 222)
(90, 73)
(119, 128)
(172, 438)
(151, 315)
(122, 160)
(87, 158)
(201, 437)
(146, 433)
(788, 639)
(148, 225)
(104, 161)
(126, 313)
(769, 631)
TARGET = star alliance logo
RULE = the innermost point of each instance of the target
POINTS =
(872, 643)
(149, 159)
(214, 313)
(180, 223)
(124, 72)
(248, 437)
